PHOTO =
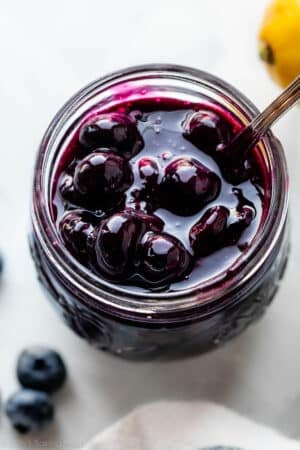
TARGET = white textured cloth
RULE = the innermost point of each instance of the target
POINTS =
(188, 426)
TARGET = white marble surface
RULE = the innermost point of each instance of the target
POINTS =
(48, 50)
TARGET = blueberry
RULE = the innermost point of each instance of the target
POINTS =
(117, 239)
(115, 243)
(102, 177)
(112, 130)
(41, 368)
(163, 258)
(66, 185)
(207, 234)
(29, 410)
(206, 130)
(77, 230)
(188, 186)
(68, 191)
(144, 195)
(211, 133)
(149, 172)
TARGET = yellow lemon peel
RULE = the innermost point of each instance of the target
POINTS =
(279, 40)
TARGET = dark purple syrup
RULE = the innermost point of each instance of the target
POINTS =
(143, 198)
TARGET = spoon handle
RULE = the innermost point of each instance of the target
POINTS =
(278, 107)
(248, 137)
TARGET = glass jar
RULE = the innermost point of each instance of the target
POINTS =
(158, 325)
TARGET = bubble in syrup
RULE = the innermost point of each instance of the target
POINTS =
(157, 128)
(166, 155)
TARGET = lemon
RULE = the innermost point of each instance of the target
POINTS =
(280, 40)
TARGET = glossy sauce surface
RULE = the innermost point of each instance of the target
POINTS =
(143, 198)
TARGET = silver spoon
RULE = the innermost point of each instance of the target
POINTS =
(248, 137)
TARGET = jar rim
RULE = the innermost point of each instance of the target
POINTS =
(100, 292)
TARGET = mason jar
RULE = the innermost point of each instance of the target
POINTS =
(167, 325)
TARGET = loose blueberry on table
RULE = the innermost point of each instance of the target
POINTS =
(143, 196)
(29, 410)
(41, 368)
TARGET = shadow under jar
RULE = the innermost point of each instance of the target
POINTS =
(233, 277)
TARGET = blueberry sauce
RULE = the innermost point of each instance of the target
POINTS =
(143, 198)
